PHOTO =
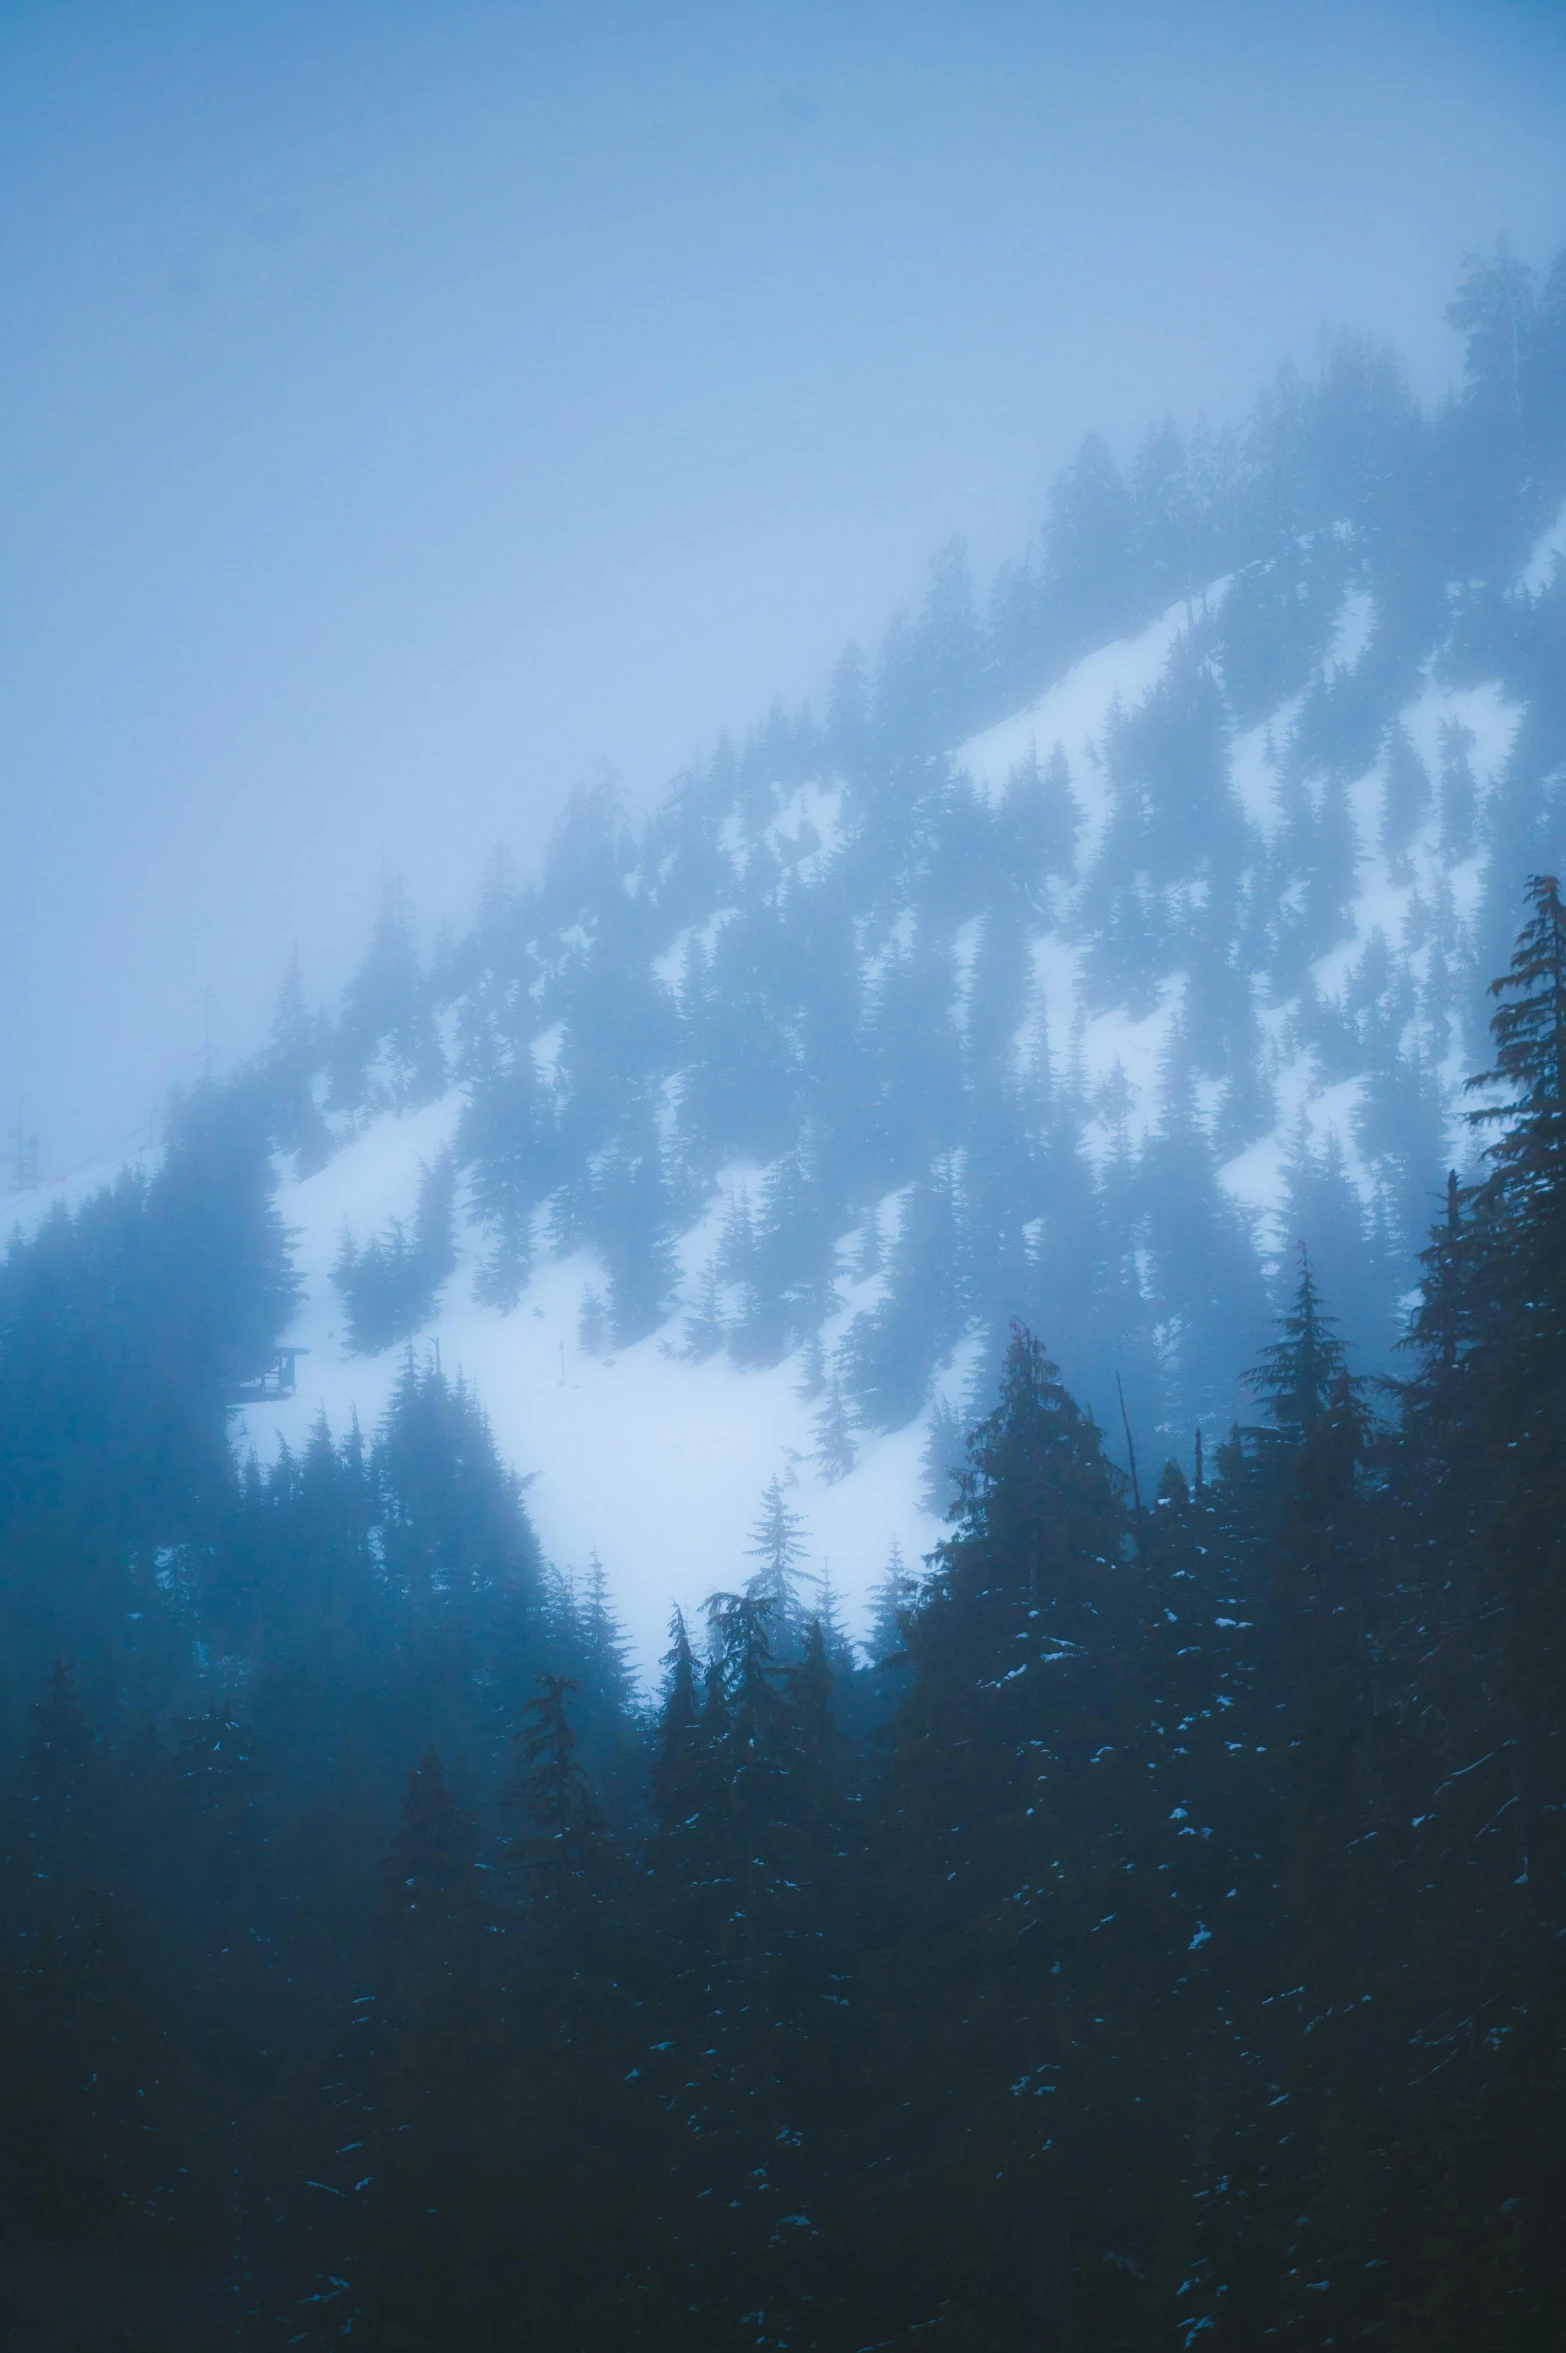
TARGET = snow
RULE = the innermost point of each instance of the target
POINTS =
(816, 807)
(1114, 1046)
(374, 1179)
(731, 838)
(1074, 714)
(1254, 1178)
(1540, 568)
(658, 1464)
(669, 968)
(655, 1463)
(1352, 630)
(1253, 766)
(1484, 710)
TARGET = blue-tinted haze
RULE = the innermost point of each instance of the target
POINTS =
(408, 409)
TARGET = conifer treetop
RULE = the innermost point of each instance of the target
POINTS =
(1529, 1028)
(1295, 1375)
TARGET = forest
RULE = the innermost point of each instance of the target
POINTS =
(390, 1960)
(416, 1984)
(912, 988)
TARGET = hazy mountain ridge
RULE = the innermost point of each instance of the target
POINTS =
(1075, 965)
(707, 1171)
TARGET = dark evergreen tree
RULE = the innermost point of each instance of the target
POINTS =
(1459, 794)
(835, 1451)
(1405, 800)
(1040, 819)
(890, 1603)
(942, 1459)
(295, 1055)
(508, 1135)
(387, 1051)
(1520, 1213)
(391, 1285)
(777, 1546)
(1004, 1749)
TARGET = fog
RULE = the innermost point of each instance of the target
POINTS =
(410, 411)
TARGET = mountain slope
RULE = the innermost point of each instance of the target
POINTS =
(1085, 957)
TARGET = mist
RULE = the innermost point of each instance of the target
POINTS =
(713, 1533)
(412, 413)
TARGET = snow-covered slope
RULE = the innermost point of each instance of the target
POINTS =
(1333, 1043)
(657, 1463)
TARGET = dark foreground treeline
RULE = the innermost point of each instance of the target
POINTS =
(1162, 1946)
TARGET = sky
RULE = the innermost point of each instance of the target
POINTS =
(411, 410)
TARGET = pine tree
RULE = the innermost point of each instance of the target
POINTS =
(888, 1353)
(678, 1730)
(825, 1623)
(1088, 593)
(65, 1790)
(765, 2008)
(1459, 794)
(834, 1433)
(1040, 818)
(507, 1140)
(89, 2148)
(1322, 1209)
(391, 1286)
(1010, 1765)
(432, 2075)
(1296, 1375)
(221, 1785)
(387, 1051)
(777, 1545)
(295, 1054)
(556, 1855)
(786, 1261)
(454, 1536)
(941, 1459)
(1444, 1408)
(812, 1372)
(1520, 1222)
(591, 1324)
(809, 1683)
(890, 1603)
(868, 1255)
(705, 1329)
(428, 1900)
(1405, 801)
(1530, 1048)
(57, 1758)
(606, 1659)
(1330, 1640)
(633, 1225)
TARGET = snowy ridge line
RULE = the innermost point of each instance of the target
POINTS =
(878, 1032)
(655, 1461)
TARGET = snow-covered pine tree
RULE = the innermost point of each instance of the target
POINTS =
(777, 1546)
(834, 1434)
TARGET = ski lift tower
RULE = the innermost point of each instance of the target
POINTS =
(263, 1380)
(22, 1159)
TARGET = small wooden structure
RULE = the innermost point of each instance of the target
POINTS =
(266, 1381)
